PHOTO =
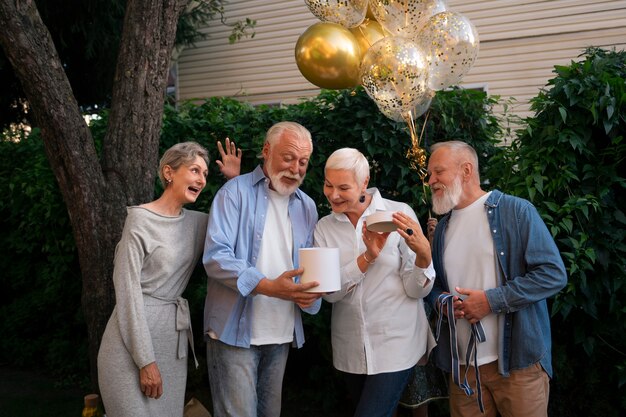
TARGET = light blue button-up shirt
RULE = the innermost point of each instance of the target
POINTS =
(233, 240)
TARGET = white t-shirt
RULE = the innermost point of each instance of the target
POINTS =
(273, 318)
(470, 262)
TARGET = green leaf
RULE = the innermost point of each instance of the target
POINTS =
(608, 125)
(552, 206)
(567, 224)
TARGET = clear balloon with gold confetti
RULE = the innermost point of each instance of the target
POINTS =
(394, 74)
(451, 44)
(405, 17)
(347, 13)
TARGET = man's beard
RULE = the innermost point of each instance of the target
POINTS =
(278, 185)
(450, 198)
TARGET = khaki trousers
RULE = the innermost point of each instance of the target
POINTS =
(523, 394)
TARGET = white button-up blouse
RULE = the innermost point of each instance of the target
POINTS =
(378, 319)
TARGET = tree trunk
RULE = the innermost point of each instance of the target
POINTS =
(97, 190)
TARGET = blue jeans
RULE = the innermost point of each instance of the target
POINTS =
(246, 382)
(377, 395)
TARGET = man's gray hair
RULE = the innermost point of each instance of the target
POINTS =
(350, 159)
(276, 131)
(462, 151)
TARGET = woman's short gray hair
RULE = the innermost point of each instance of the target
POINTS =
(183, 153)
(349, 159)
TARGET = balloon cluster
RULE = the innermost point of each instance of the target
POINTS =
(400, 51)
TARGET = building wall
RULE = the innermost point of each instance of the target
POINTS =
(259, 70)
(520, 42)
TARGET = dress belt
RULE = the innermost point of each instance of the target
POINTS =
(183, 324)
(478, 336)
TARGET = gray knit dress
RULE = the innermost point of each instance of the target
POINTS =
(153, 262)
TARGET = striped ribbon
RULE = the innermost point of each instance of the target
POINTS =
(477, 336)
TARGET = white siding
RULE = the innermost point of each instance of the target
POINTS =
(259, 70)
(520, 42)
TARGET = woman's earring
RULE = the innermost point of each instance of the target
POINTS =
(168, 181)
(362, 198)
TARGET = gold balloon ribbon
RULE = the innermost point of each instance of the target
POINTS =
(416, 154)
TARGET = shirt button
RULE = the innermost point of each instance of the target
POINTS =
(501, 253)
(494, 230)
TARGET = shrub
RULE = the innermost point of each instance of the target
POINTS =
(41, 300)
(569, 162)
(40, 280)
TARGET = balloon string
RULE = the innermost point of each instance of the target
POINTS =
(424, 183)
(416, 155)
(360, 27)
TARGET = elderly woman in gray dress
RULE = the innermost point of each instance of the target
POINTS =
(142, 362)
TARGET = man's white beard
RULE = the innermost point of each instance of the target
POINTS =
(278, 185)
(450, 198)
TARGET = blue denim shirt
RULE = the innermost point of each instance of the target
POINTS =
(233, 241)
(530, 270)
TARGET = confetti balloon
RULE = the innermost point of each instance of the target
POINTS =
(419, 109)
(347, 13)
(450, 42)
(394, 74)
(405, 17)
(328, 55)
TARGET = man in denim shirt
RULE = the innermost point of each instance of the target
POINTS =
(493, 252)
(257, 223)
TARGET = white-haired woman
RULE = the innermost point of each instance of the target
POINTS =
(379, 327)
(142, 362)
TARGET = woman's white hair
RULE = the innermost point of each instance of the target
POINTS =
(349, 159)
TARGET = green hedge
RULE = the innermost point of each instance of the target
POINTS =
(569, 162)
(41, 279)
(336, 119)
(40, 282)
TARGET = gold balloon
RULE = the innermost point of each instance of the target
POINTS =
(367, 34)
(347, 13)
(328, 55)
